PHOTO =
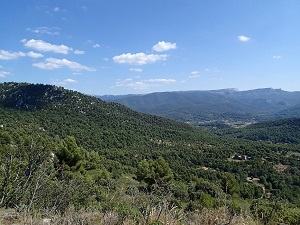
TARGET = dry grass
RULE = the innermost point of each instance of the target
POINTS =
(157, 215)
(219, 216)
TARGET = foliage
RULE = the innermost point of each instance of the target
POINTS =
(217, 105)
(155, 173)
(277, 131)
(60, 148)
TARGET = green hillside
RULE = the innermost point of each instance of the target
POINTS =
(95, 123)
(60, 148)
(286, 131)
(188, 106)
(293, 111)
(215, 105)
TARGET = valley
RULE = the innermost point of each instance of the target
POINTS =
(227, 105)
(62, 150)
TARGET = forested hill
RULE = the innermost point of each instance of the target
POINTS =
(277, 131)
(60, 148)
(188, 106)
(95, 123)
(289, 112)
(268, 100)
(221, 105)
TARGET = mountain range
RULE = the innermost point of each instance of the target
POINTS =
(225, 104)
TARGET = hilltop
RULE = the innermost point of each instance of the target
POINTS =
(90, 118)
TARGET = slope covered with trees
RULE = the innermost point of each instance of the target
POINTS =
(60, 148)
(285, 131)
(293, 111)
(188, 106)
(216, 105)
(265, 100)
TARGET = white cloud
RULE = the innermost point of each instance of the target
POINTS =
(136, 69)
(64, 82)
(143, 84)
(96, 46)
(165, 81)
(43, 46)
(138, 58)
(195, 74)
(138, 85)
(4, 74)
(276, 57)
(91, 43)
(213, 70)
(243, 38)
(56, 9)
(79, 52)
(34, 55)
(164, 46)
(53, 63)
(70, 80)
(7, 55)
(45, 30)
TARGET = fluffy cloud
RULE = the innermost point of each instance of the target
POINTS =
(164, 46)
(43, 46)
(4, 74)
(276, 57)
(79, 52)
(96, 46)
(70, 80)
(34, 55)
(7, 55)
(53, 63)
(195, 74)
(64, 82)
(243, 38)
(138, 58)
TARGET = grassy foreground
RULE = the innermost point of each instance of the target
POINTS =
(156, 216)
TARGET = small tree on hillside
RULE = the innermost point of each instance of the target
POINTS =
(154, 172)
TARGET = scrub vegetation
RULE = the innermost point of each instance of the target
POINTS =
(70, 158)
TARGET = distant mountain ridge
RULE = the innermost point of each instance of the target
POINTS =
(267, 99)
(224, 104)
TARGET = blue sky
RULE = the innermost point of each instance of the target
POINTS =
(141, 46)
